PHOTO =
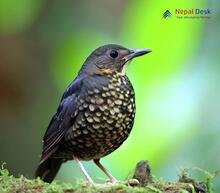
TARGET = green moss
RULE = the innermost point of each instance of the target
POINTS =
(10, 184)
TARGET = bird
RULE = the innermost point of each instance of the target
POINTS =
(95, 115)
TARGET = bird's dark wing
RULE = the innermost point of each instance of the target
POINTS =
(62, 120)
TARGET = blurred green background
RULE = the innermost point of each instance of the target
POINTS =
(44, 43)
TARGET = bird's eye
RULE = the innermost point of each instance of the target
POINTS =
(114, 54)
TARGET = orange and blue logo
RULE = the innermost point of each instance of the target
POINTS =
(188, 13)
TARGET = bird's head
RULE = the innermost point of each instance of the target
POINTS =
(111, 58)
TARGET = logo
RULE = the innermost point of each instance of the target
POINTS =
(166, 14)
(193, 13)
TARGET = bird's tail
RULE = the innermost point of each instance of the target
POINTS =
(48, 169)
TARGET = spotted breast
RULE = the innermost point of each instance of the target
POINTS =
(105, 118)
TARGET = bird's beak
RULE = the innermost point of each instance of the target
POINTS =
(135, 53)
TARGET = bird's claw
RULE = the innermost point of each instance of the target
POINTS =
(106, 185)
(131, 182)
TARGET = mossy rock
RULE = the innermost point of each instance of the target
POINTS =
(10, 184)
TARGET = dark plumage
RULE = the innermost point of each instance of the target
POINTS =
(95, 115)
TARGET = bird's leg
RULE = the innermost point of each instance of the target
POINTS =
(113, 180)
(88, 178)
